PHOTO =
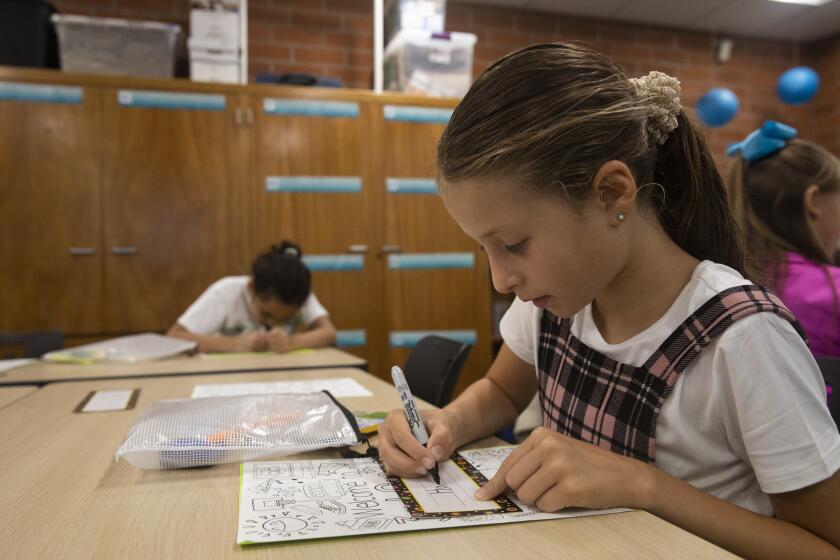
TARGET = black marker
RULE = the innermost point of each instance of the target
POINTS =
(412, 414)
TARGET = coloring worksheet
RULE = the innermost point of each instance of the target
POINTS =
(313, 499)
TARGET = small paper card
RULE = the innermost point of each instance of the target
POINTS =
(106, 401)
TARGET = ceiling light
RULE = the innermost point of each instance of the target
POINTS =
(805, 2)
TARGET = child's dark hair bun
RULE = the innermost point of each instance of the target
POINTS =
(286, 247)
(280, 273)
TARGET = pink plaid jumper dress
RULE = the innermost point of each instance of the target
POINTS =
(589, 396)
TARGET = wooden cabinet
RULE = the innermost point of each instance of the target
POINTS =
(436, 279)
(114, 214)
(50, 209)
(167, 176)
(159, 188)
(310, 181)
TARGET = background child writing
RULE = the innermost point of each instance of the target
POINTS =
(273, 309)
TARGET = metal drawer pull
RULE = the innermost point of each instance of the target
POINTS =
(81, 251)
(389, 250)
(125, 250)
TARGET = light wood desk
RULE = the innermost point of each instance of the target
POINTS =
(8, 395)
(40, 373)
(64, 496)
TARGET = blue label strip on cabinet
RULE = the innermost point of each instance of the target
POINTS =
(313, 184)
(307, 108)
(409, 339)
(324, 263)
(431, 260)
(346, 338)
(410, 113)
(42, 94)
(167, 100)
(402, 185)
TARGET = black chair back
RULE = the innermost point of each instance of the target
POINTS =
(29, 344)
(830, 368)
(433, 367)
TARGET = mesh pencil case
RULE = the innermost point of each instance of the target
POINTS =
(183, 433)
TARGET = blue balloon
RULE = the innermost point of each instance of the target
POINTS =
(717, 107)
(798, 85)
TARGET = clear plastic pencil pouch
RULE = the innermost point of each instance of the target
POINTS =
(174, 434)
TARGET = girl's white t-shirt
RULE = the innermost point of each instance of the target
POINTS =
(748, 416)
(225, 309)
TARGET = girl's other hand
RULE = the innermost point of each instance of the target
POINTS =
(553, 471)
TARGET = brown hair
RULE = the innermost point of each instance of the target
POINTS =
(551, 115)
(768, 200)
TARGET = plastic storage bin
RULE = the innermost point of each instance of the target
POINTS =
(209, 64)
(216, 29)
(419, 15)
(116, 46)
(433, 64)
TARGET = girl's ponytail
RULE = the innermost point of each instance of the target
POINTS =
(696, 212)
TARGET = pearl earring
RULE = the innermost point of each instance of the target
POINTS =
(621, 216)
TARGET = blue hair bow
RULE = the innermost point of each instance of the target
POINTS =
(762, 142)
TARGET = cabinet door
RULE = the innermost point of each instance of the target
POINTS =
(168, 173)
(312, 185)
(50, 244)
(435, 279)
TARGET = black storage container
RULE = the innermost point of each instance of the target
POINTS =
(27, 37)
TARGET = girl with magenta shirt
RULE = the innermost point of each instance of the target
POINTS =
(785, 193)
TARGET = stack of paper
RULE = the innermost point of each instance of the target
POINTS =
(134, 348)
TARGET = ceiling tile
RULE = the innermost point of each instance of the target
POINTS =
(758, 18)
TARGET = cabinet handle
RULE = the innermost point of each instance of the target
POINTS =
(249, 116)
(357, 249)
(237, 116)
(124, 250)
(389, 250)
(81, 251)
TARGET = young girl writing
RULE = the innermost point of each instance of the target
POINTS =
(785, 194)
(273, 309)
(667, 381)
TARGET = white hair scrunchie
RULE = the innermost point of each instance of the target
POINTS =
(663, 93)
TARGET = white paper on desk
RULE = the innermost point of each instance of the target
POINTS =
(102, 401)
(298, 500)
(7, 365)
(338, 387)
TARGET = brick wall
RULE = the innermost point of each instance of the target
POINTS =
(334, 38)
(826, 106)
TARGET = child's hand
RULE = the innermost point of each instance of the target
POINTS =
(255, 341)
(553, 471)
(400, 451)
(279, 340)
